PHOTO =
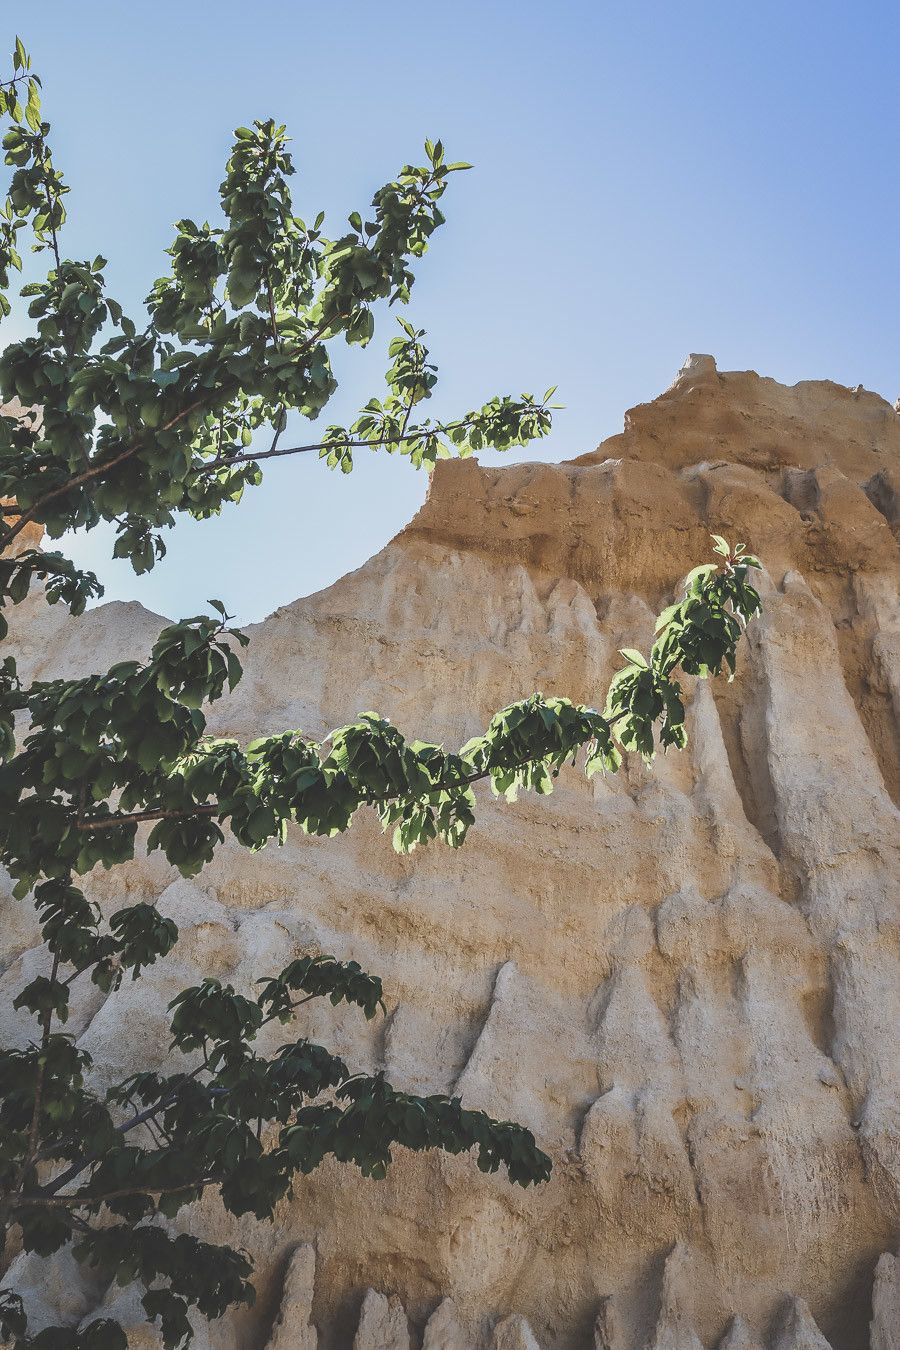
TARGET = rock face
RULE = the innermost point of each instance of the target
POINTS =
(684, 979)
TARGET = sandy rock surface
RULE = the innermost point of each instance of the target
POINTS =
(685, 979)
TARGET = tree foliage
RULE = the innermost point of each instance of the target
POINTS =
(134, 422)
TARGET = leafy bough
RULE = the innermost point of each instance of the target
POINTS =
(243, 1123)
(138, 732)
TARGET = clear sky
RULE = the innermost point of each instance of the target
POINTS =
(651, 179)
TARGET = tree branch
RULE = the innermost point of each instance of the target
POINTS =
(211, 808)
(139, 1118)
(223, 461)
(78, 1201)
(34, 1128)
(136, 817)
(98, 470)
(94, 472)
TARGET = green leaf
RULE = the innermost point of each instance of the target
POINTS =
(33, 107)
(699, 574)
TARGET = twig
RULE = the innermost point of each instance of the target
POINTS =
(212, 808)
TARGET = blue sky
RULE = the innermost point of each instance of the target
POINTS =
(651, 179)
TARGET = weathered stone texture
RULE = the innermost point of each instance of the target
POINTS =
(684, 979)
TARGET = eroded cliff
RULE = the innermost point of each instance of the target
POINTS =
(683, 978)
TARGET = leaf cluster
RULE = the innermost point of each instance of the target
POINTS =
(141, 421)
(246, 1123)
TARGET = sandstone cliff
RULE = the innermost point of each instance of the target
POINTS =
(684, 979)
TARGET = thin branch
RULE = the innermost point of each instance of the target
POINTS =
(53, 235)
(31, 1149)
(136, 817)
(292, 1007)
(350, 443)
(139, 1118)
(276, 338)
(78, 1201)
(411, 405)
(95, 472)
(212, 808)
(98, 470)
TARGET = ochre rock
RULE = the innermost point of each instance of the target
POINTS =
(739, 1337)
(382, 1324)
(293, 1329)
(798, 1331)
(685, 978)
(444, 1329)
(885, 1326)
